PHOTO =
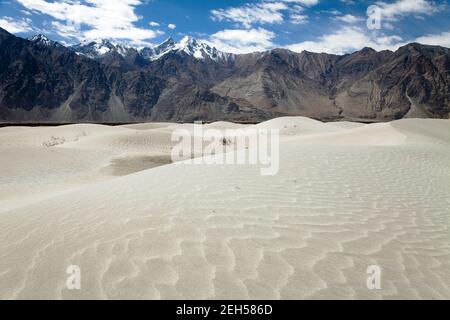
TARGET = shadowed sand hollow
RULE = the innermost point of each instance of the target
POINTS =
(132, 164)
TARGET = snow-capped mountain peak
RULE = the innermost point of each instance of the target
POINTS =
(42, 40)
(94, 48)
(99, 47)
(169, 42)
(188, 45)
(154, 53)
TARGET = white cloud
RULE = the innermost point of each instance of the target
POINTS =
(14, 25)
(333, 12)
(25, 12)
(65, 30)
(171, 26)
(348, 39)
(248, 14)
(264, 12)
(153, 24)
(399, 8)
(297, 18)
(242, 40)
(307, 3)
(111, 19)
(349, 18)
(441, 39)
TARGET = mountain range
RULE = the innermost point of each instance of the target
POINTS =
(101, 81)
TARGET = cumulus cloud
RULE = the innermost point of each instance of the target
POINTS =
(248, 14)
(348, 39)
(394, 10)
(441, 39)
(15, 25)
(171, 26)
(264, 12)
(349, 18)
(307, 3)
(111, 19)
(351, 38)
(242, 40)
(297, 18)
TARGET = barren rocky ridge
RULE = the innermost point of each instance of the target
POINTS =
(43, 81)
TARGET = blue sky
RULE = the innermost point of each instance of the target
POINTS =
(239, 26)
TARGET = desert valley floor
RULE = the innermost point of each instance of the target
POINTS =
(347, 196)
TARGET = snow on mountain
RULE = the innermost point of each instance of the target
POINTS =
(42, 40)
(187, 45)
(158, 51)
(100, 47)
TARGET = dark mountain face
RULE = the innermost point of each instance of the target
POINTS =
(42, 81)
(412, 82)
(39, 82)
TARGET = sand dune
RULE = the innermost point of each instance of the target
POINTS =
(347, 196)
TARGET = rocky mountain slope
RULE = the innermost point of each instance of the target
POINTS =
(100, 81)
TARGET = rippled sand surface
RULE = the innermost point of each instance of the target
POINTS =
(347, 196)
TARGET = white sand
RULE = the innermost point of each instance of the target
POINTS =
(347, 196)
